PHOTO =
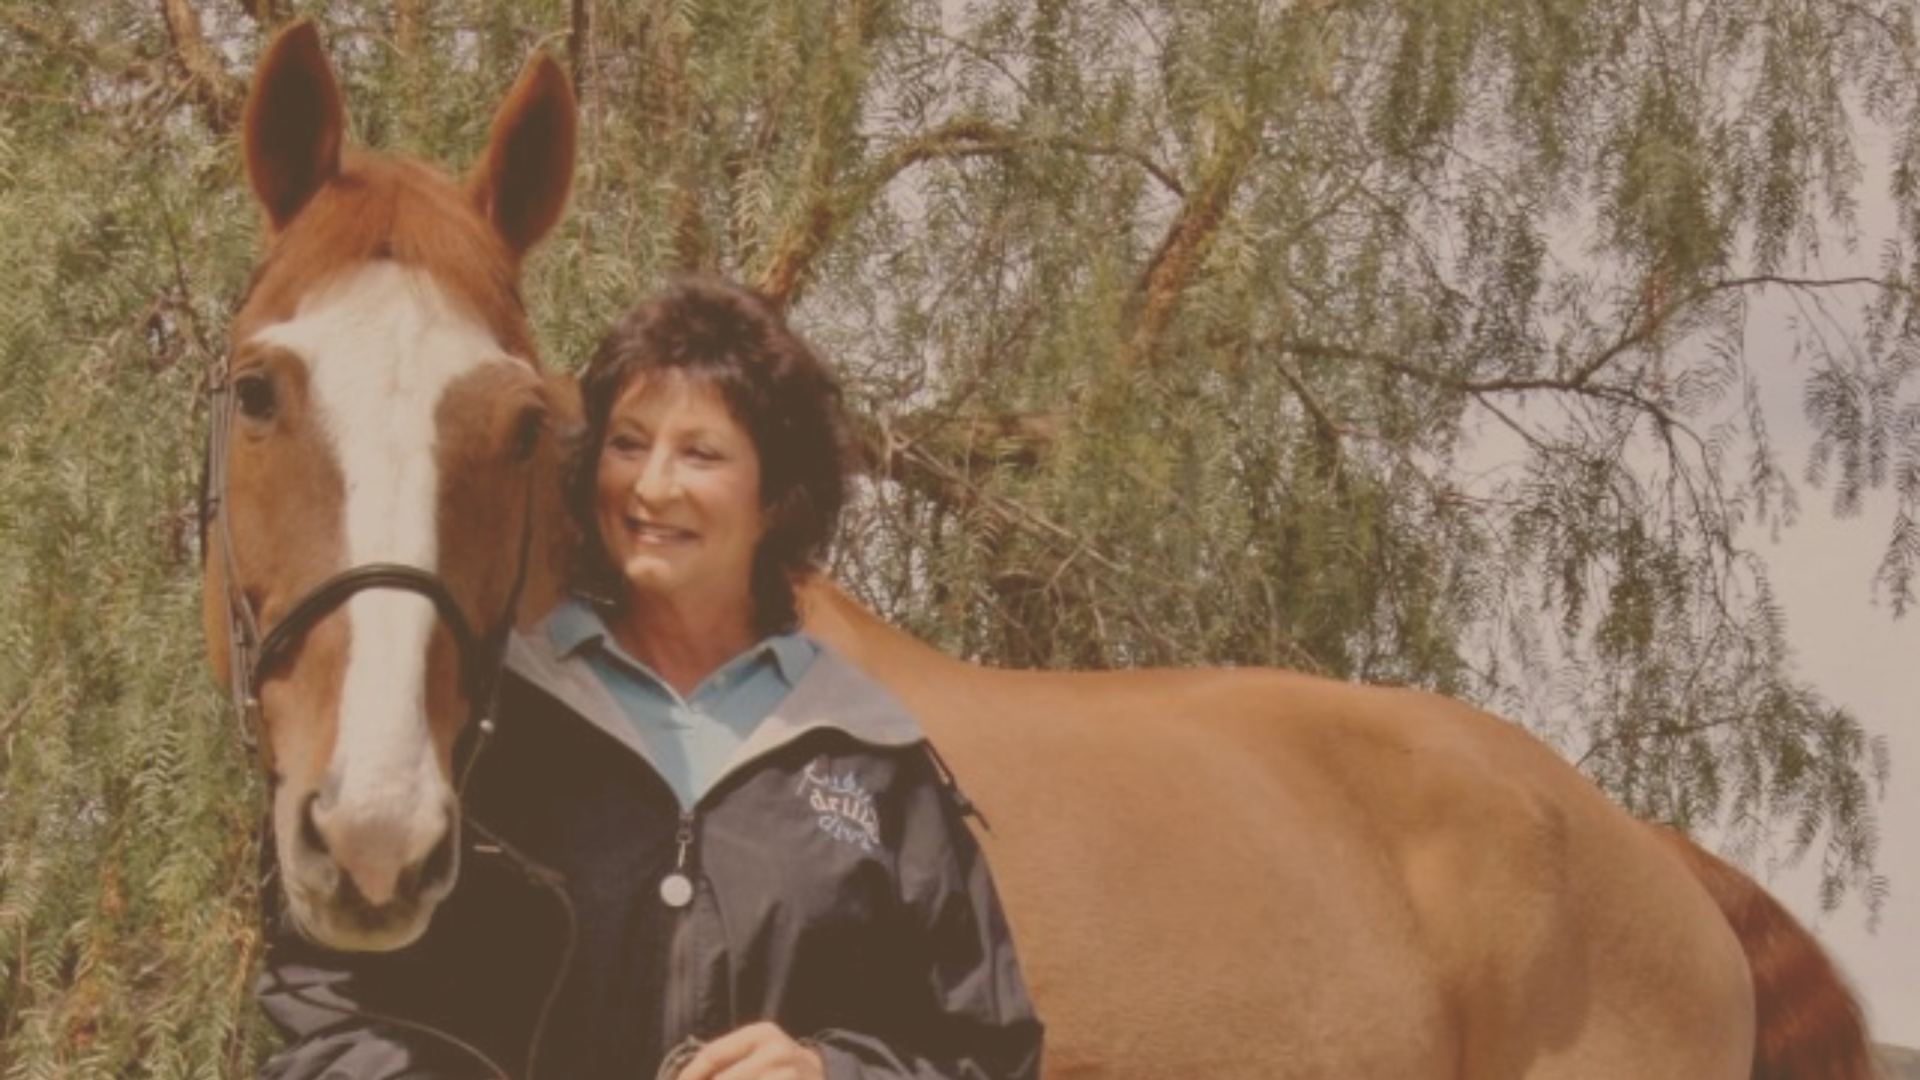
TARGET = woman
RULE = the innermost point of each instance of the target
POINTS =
(699, 843)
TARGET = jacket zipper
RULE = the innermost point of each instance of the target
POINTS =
(681, 992)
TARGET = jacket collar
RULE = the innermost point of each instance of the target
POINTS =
(835, 694)
(832, 694)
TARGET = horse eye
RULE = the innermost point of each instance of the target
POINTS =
(526, 436)
(254, 392)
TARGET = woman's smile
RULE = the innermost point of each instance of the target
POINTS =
(648, 532)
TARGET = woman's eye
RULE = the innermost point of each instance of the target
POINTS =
(253, 392)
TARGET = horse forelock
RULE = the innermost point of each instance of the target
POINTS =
(385, 209)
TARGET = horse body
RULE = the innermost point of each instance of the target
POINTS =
(1258, 871)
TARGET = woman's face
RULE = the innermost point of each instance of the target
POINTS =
(677, 494)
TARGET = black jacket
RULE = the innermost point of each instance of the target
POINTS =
(838, 893)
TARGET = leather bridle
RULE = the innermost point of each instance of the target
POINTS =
(251, 657)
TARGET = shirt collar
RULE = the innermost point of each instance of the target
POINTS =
(793, 652)
(575, 626)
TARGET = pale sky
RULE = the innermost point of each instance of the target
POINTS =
(1866, 661)
(1853, 650)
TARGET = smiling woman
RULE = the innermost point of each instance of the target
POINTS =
(731, 370)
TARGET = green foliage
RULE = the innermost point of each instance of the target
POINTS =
(1402, 340)
(125, 814)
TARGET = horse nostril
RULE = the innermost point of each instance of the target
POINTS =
(435, 870)
(310, 834)
(439, 863)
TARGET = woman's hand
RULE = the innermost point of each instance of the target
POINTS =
(756, 1052)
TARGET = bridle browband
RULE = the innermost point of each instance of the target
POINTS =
(251, 657)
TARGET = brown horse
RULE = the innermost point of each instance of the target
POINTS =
(371, 474)
(1210, 873)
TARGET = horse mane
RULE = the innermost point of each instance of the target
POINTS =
(1808, 1023)
(388, 208)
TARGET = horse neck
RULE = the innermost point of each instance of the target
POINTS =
(892, 655)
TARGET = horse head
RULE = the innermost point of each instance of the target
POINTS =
(380, 441)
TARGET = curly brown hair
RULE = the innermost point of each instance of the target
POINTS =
(734, 340)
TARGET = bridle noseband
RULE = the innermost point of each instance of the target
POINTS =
(252, 657)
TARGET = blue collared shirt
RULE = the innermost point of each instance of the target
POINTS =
(691, 740)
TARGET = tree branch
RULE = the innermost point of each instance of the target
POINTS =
(1802, 283)
(579, 39)
(1663, 731)
(1579, 384)
(954, 140)
(673, 126)
(218, 94)
(832, 204)
(409, 19)
(975, 443)
(968, 137)
(264, 13)
(64, 42)
(1331, 430)
(1177, 261)
(898, 457)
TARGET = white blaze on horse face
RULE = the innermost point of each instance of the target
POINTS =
(382, 346)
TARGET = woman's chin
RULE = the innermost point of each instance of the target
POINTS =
(653, 574)
(657, 579)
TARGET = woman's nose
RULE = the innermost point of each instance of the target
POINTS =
(655, 482)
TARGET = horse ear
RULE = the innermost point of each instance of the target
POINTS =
(522, 179)
(294, 124)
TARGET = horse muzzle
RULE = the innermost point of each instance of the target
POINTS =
(361, 881)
